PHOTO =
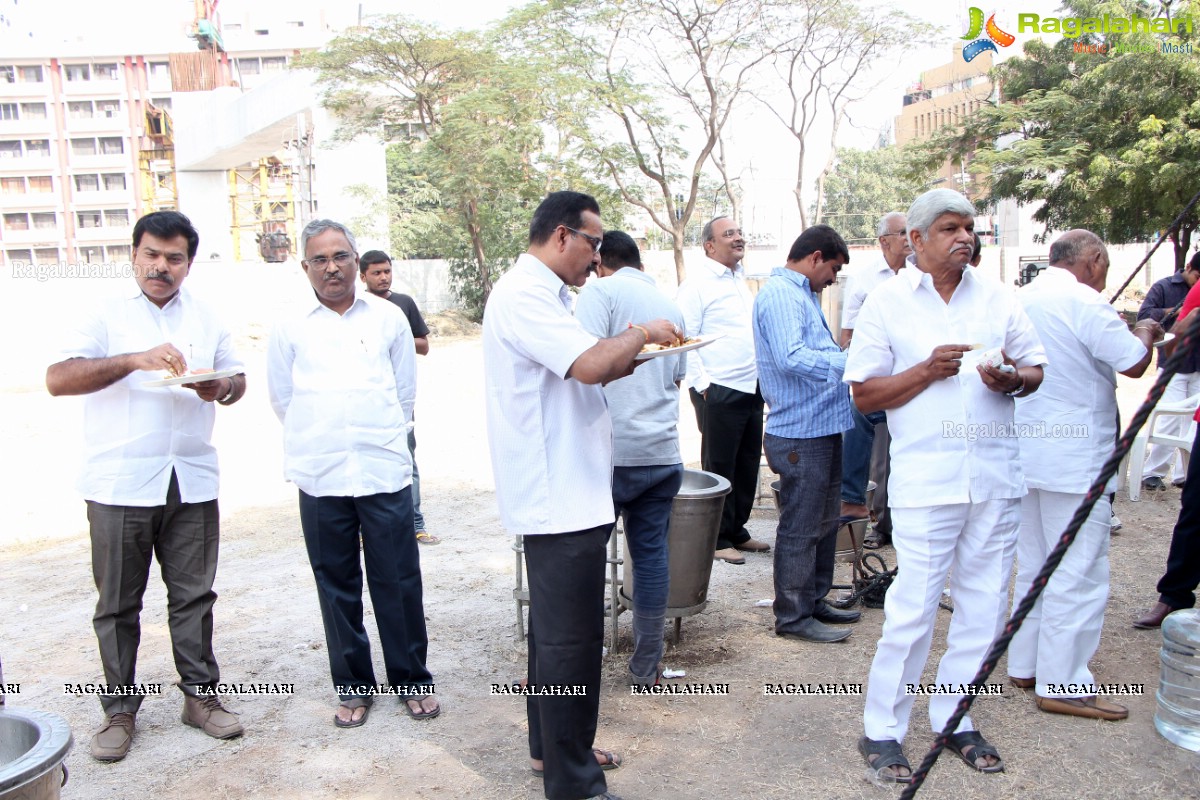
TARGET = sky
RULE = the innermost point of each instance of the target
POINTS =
(767, 151)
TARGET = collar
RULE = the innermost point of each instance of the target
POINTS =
(1058, 275)
(137, 294)
(541, 274)
(316, 305)
(635, 274)
(720, 270)
(790, 275)
(916, 277)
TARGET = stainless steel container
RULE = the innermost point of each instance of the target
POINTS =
(33, 746)
(691, 540)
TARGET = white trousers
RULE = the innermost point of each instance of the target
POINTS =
(974, 543)
(1062, 632)
(1159, 457)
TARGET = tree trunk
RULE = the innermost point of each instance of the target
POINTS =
(476, 234)
(677, 248)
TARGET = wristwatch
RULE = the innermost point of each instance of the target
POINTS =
(232, 389)
(1020, 388)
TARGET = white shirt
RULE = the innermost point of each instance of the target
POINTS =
(859, 284)
(133, 435)
(954, 442)
(550, 435)
(1069, 425)
(716, 301)
(343, 386)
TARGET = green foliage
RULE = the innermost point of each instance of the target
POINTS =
(863, 186)
(1109, 142)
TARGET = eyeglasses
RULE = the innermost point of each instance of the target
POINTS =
(594, 241)
(894, 233)
(731, 233)
(339, 259)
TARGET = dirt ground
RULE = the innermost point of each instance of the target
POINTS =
(268, 629)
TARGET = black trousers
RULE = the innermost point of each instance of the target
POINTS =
(1177, 588)
(731, 429)
(389, 549)
(184, 538)
(566, 635)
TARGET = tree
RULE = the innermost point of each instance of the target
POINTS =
(823, 71)
(468, 160)
(863, 185)
(1108, 142)
(639, 67)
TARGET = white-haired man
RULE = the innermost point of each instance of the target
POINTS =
(956, 487)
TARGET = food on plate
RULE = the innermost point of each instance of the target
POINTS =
(650, 347)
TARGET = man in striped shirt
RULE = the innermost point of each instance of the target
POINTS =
(800, 373)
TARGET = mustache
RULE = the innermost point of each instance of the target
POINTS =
(160, 276)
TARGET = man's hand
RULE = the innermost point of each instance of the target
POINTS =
(211, 391)
(945, 361)
(156, 359)
(663, 332)
(999, 380)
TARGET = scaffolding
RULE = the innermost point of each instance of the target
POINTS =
(156, 162)
(264, 210)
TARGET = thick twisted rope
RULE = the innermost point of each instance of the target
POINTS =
(1097, 490)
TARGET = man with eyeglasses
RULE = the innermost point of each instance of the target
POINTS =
(722, 380)
(342, 380)
(858, 442)
(551, 441)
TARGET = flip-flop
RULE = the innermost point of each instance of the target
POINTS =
(979, 747)
(427, 538)
(354, 703)
(418, 699)
(887, 753)
(611, 761)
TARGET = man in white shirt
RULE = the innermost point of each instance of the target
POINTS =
(150, 471)
(1066, 434)
(858, 442)
(956, 484)
(722, 380)
(342, 380)
(552, 458)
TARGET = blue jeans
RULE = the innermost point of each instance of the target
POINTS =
(810, 472)
(643, 496)
(418, 517)
(856, 455)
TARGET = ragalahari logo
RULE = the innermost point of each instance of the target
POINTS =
(977, 44)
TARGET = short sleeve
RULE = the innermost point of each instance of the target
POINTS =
(871, 353)
(1107, 337)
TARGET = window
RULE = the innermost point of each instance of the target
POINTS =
(88, 219)
(232, 27)
(108, 108)
(41, 184)
(163, 103)
(44, 220)
(10, 149)
(31, 74)
(47, 255)
(33, 110)
(248, 66)
(77, 72)
(118, 253)
(87, 183)
(159, 70)
(261, 32)
(296, 23)
(106, 72)
(12, 186)
(37, 148)
(114, 181)
(16, 222)
(8, 111)
(111, 145)
(8, 74)
(83, 147)
(93, 254)
(79, 109)
(22, 256)
(118, 218)
(273, 64)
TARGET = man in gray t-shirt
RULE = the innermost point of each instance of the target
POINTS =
(644, 406)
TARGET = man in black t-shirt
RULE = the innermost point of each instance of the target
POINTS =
(375, 269)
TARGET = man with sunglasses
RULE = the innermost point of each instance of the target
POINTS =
(342, 380)
(723, 380)
(551, 441)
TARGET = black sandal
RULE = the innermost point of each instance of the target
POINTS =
(979, 748)
(887, 753)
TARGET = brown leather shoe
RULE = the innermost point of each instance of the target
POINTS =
(729, 555)
(1154, 617)
(753, 546)
(207, 714)
(111, 742)
(1093, 707)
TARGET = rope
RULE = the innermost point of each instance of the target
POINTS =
(1097, 490)
(1161, 239)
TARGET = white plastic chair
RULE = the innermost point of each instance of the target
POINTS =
(1135, 460)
